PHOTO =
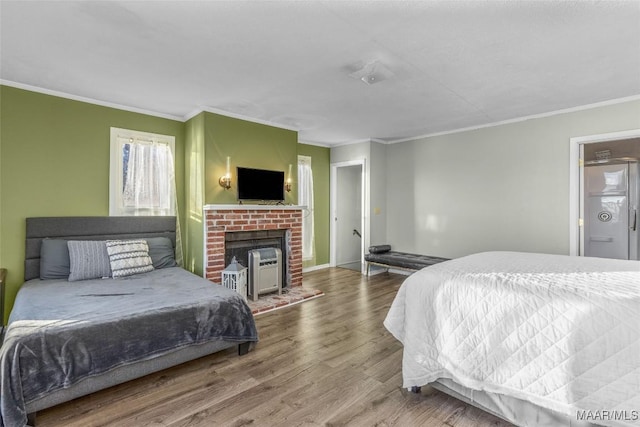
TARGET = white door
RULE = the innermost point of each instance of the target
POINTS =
(348, 217)
(606, 210)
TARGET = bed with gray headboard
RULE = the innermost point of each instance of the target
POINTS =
(104, 302)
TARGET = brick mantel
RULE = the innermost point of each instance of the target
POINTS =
(221, 219)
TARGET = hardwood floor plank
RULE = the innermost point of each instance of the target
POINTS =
(326, 362)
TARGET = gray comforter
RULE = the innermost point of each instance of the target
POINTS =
(61, 332)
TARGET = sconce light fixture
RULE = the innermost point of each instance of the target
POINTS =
(225, 180)
(287, 184)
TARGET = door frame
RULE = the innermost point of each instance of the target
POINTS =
(576, 182)
(363, 209)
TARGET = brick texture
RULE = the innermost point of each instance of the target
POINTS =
(222, 221)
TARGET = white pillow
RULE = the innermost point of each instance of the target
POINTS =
(129, 257)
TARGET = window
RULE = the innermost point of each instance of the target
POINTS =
(142, 177)
(142, 180)
(305, 198)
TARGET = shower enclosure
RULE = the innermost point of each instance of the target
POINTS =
(610, 209)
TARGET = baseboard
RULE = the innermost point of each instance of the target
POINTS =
(315, 267)
(403, 272)
(376, 271)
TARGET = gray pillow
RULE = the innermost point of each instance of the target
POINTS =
(161, 252)
(54, 259)
(88, 259)
(379, 249)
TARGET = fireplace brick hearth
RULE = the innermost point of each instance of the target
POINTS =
(222, 219)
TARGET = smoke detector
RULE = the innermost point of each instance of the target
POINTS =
(372, 73)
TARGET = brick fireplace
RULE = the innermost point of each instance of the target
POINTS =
(223, 219)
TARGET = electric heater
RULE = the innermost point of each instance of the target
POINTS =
(265, 271)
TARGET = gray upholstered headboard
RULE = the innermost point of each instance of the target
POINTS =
(91, 228)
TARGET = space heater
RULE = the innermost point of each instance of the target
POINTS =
(265, 271)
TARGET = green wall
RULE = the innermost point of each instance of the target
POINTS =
(250, 145)
(320, 165)
(55, 162)
(194, 190)
(210, 138)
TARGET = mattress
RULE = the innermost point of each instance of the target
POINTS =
(560, 332)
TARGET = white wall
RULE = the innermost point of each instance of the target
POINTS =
(378, 193)
(499, 188)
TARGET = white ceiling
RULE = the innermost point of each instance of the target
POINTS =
(446, 65)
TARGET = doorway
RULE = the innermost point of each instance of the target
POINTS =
(610, 208)
(605, 198)
(347, 225)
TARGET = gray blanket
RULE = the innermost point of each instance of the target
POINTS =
(61, 332)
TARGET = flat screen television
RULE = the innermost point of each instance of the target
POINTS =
(260, 184)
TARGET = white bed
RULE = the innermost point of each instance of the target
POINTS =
(534, 338)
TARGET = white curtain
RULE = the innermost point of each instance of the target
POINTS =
(305, 198)
(149, 179)
(149, 185)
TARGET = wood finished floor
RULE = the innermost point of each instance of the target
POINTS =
(325, 362)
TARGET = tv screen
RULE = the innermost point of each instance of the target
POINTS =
(260, 184)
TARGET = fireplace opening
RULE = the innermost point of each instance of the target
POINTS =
(239, 243)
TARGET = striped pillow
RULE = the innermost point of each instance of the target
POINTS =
(129, 257)
(88, 259)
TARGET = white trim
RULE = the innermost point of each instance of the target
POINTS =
(355, 141)
(197, 111)
(575, 174)
(252, 207)
(241, 117)
(115, 161)
(521, 119)
(315, 268)
(89, 100)
(364, 223)
(181, 119)
(317, 144)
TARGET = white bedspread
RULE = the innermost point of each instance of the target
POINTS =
(562, 332)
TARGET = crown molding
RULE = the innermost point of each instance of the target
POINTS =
(197, 111)
(522, 119)
(88, 100)
(317, 144)
(242, 117)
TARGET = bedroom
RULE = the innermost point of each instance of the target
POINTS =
(54, 148)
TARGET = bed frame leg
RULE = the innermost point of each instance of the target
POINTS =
(31, 419)
(415, 389)
(243, 348)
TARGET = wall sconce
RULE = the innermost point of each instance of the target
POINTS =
(287, 185)
(225, 180)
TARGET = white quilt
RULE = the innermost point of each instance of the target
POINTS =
(561, 332)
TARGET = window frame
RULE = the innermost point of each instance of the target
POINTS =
(116, 205)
